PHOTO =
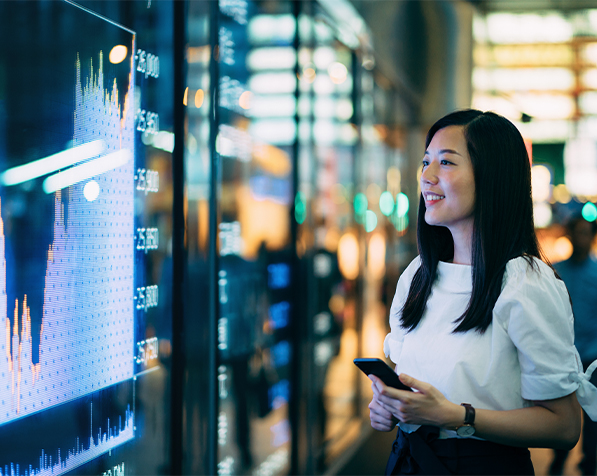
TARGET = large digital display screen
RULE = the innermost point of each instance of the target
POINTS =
(75, 297)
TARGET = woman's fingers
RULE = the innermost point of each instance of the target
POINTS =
(377, 407)
(379, 388)
(381, 419)
(422, 406)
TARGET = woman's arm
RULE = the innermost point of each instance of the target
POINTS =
(548, 424)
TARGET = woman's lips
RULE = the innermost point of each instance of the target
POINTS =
(432, 198)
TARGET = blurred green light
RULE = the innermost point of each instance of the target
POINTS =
(360, 203)
(300, 207)
(589, 211)
(386, 203)
(370, 221)
(401, 204)
(299, 217)
(401, 223)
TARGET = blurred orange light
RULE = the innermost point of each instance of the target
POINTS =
(563, 248)
(255, 231)
(336, 304)
(376, 256)
(199, 97)
(118, 54)
(272, 159)
(185, 99)
(561, 193)
(244, 100)
(309, 74)
(348, 256)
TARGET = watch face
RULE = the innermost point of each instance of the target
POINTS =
(466, 430)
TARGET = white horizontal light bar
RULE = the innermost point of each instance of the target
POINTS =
(269, 58)
(87, 170)
(52, 163)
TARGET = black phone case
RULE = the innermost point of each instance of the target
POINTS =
(382, 370)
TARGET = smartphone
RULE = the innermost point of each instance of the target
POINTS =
(382, 370)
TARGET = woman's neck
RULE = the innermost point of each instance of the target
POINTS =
(463, 246)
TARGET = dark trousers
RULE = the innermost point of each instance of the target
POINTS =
(588, 465)
(422, 452)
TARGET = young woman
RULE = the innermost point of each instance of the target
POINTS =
(481, 327)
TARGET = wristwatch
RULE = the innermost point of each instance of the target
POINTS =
(468, 428)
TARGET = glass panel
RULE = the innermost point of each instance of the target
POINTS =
(328, 241)
(198, 406)
(255, 146)
(85, 143)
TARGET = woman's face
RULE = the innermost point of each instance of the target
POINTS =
(448, 183)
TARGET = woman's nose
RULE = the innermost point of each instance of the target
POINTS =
(428, 174)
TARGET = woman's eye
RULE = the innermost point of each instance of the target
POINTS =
(445, 162)
(425, 163)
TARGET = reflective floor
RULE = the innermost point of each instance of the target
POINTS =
(542, 458)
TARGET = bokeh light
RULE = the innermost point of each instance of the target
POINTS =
(373, 193)
(337, 72)
(348, 256)
(244, 100)
(360, 203)
(199, 98)
(376, 256)
(589, 211)
(300, 208)
(386, 203)
(400, 223)
(541, 179)
(370, 221)
(118, 54)
(542, 214)
(91, 190)
(562, 248)
(402, 204)
(561, 194)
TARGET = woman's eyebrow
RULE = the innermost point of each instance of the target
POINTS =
(446, 151)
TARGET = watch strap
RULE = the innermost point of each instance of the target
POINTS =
(469, 415)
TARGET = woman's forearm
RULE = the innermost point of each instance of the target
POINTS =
(548, 424)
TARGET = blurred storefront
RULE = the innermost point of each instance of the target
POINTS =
(268, 153)
(538, 68)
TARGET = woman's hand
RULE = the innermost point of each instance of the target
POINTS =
(547, 424)
(381, 419)
(425, 406)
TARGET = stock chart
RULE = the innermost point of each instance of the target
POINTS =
(73, 291)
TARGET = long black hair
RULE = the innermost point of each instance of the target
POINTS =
(502, 218)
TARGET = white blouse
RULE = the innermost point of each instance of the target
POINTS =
(527, 353)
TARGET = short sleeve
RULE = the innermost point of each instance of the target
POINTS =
(534, 307)
(392, 345)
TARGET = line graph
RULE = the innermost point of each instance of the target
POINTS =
(86, 340)
(80, 452)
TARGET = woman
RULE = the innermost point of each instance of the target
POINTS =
(481, 327)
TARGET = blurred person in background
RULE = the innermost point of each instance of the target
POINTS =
(481, 326)
(579, 272)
